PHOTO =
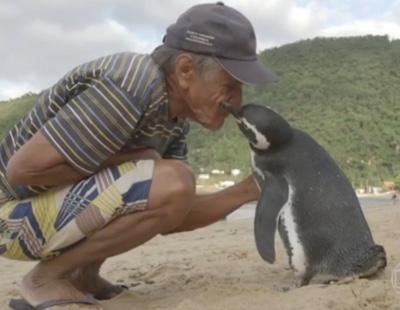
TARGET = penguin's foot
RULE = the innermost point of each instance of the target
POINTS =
(326, 279)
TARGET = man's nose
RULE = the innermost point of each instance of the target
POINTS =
(236, 98)
(236, 102)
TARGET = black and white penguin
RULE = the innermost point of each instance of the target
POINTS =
(309, 199)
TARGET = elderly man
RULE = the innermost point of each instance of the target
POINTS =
(95, 169)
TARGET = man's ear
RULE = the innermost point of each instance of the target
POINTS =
(185, 70)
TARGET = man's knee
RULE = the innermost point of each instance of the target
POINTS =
(172, 190)
(178, 177)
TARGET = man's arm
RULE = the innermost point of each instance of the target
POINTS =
(210, 208)
(39, 163)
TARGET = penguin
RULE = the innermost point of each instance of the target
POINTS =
(308, 199)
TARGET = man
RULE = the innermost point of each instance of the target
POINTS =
(95, 169)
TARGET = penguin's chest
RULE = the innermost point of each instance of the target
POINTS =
(287, 217)
(289, 227)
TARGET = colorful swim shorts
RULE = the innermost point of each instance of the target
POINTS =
(42, 226)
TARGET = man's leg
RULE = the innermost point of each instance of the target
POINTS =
(171, 196)
(206, 209)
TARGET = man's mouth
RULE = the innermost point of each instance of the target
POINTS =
(229, 107)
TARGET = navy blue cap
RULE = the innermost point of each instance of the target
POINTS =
(220, 31)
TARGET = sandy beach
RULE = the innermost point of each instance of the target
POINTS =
(218, 267)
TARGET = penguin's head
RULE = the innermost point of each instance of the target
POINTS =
(263, 127)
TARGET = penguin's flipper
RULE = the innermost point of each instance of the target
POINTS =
(273, 198)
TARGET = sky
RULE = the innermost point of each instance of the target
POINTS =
(41, 40)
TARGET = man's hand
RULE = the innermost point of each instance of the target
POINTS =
(251, 186)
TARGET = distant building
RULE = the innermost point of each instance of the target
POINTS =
(235, 172)
(203, 176)
(227, 183)
(388, 185)
(217, 172)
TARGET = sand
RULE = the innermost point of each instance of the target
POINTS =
(218, 267)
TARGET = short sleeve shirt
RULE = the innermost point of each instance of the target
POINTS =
(114, 103)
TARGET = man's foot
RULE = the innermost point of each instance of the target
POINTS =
(94, 284)
(22, 304)
(38, 287)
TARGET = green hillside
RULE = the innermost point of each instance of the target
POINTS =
(344, 92)
(11, 111)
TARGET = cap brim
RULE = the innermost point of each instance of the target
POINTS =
(248, 72)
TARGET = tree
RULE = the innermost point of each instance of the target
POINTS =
(397, 183)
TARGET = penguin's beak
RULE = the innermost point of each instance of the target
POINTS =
(235, 112)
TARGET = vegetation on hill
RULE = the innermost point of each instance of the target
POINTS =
(13, 110)
(343, 91)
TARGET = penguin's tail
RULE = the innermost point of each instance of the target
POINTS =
(374, 261)
(365, 264)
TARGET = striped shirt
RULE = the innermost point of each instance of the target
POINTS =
(112, 104)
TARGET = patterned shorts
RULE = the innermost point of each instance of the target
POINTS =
(42, 226)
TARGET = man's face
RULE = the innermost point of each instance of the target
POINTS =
(206, 93)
